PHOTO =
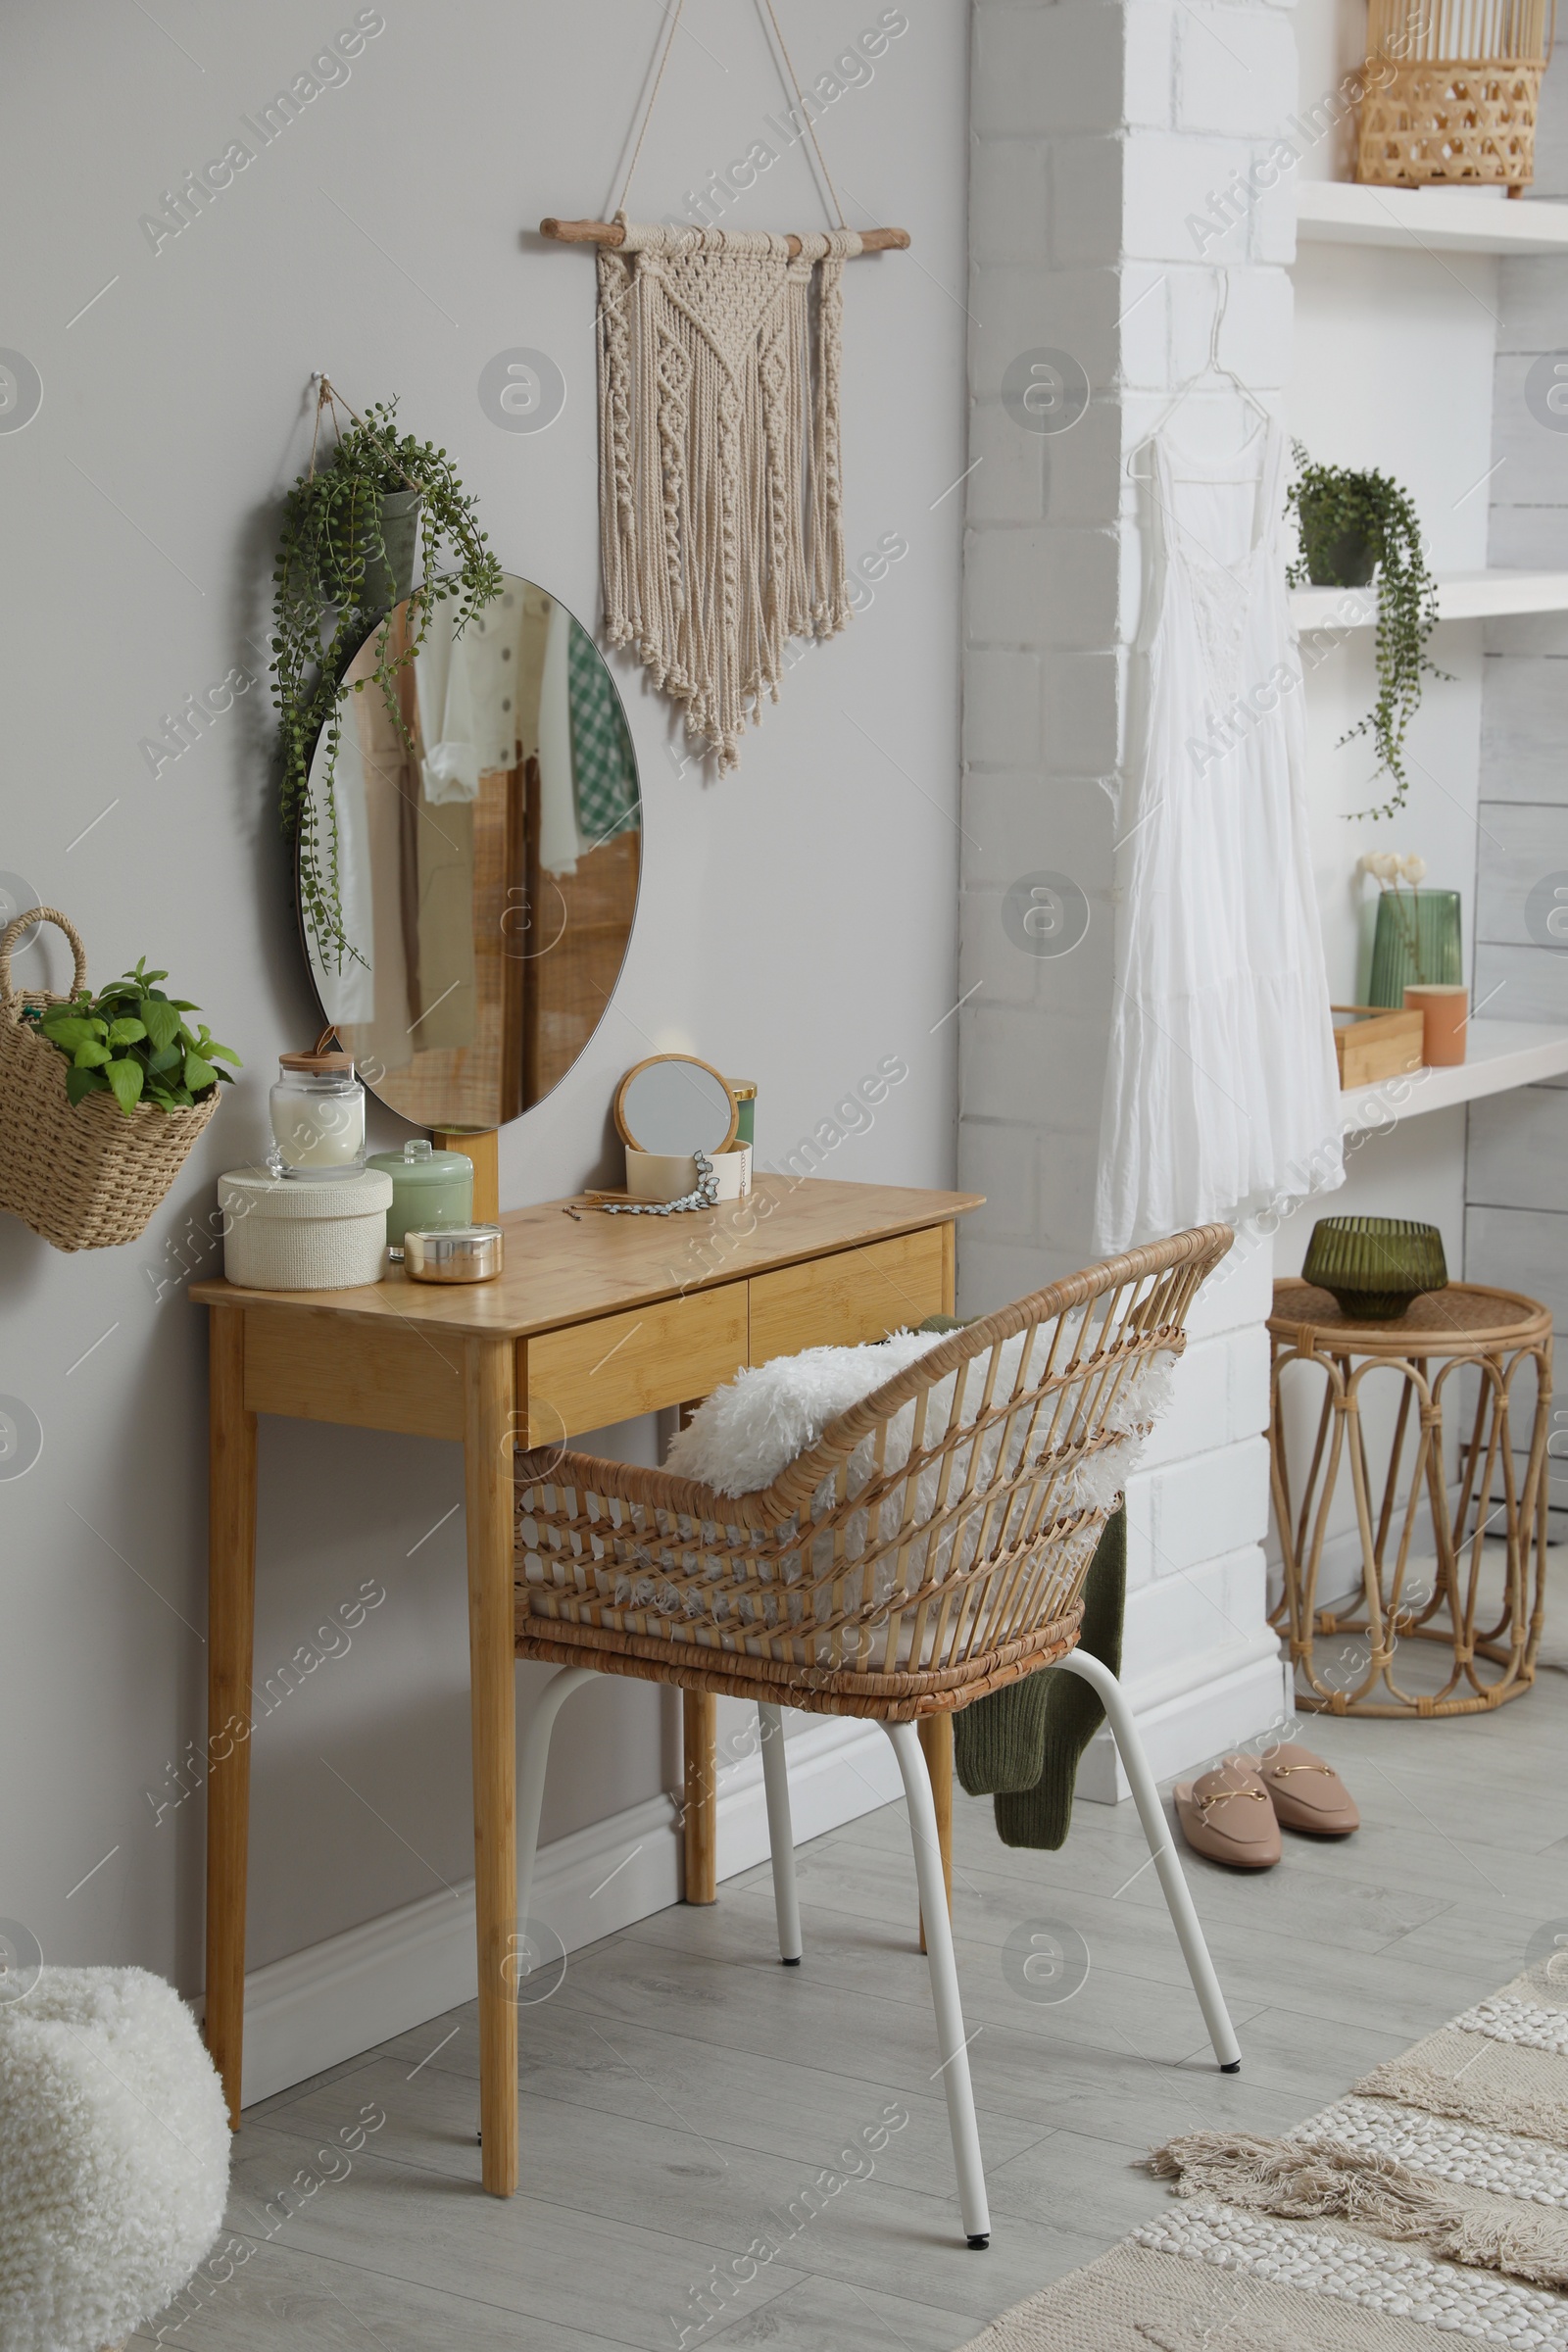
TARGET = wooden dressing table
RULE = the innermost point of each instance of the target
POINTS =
(594, 1319)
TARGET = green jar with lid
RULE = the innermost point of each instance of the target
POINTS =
(429, 1188)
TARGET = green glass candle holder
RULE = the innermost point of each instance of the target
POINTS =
(1374, 1266)
(1417, 943)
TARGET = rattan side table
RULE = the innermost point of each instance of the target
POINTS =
(1497, 1331)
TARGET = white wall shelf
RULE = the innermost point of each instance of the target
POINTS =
(1462, 596)
(1336, 212)
(1502, 1055)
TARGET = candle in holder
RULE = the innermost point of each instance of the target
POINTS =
(317, 1116)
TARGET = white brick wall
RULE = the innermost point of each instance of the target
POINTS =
(1100, 130)
(1516, 1225)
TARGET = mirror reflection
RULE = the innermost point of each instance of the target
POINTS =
(674, 1103)
(489, 839)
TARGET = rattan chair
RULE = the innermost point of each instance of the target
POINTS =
(931, 1546)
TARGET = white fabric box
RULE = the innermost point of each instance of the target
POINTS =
(285, 1233)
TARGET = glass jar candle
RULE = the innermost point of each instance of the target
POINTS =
(429, 1188)
(318, 1115)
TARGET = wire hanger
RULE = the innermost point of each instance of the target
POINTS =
(1213, 366)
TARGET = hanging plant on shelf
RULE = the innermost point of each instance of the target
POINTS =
(1354, 526)
(388, 519)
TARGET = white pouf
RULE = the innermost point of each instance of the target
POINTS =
(114, 2157)
(288, 1233)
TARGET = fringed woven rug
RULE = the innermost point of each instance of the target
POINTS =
(1431, 2204)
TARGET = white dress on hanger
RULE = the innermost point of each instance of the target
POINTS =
(1221, 1093)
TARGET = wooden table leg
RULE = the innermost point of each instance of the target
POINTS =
(936, 1739)
(699, 1720)
(936, 1731)
(487, 1449)
(230, 1638)
(700, 1820)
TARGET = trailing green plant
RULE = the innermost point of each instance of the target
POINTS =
(1339, 514)
(328, 594)
(131, 1041)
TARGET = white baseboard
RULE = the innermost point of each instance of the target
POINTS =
(340, 1997)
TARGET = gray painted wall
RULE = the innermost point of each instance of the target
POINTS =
(1516, 1222)
(798, 921)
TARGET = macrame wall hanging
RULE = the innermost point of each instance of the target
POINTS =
(720, 499)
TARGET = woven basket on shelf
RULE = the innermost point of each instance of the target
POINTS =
(85, 1175)
(1452, 92)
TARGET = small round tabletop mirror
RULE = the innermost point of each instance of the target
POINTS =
(488, 830)
(674, 1103)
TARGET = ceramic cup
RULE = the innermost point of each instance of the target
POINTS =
(667, 1176)
(1444, 1010)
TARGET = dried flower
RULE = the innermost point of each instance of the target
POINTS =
(1389, 868)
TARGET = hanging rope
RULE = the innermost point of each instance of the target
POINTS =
(800, 100)
(805, 117)
(647, 110)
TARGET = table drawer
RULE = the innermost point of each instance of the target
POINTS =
(315, 1367)
(608, 1370)
(854, 1295)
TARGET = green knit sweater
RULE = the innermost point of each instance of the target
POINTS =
(1022, 1745)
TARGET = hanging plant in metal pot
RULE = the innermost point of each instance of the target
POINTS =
(386, 520)
(1353, 528)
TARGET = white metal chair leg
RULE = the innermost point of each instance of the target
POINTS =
(944, 1984)
(1167, 1863)
(531, 1764)
(780, 1835)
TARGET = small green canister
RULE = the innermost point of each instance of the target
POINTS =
(744, 1091)
(429, 1188)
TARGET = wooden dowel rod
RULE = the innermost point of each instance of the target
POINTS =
(611, 232)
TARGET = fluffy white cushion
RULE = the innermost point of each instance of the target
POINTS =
(748, 1431)
(114, 2157)
(755, 1426)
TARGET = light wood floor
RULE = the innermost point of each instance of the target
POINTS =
(681, 2090)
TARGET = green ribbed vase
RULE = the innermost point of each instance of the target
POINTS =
(1374, 1266)
(1417, 943)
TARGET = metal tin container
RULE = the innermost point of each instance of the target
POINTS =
(452, 1253)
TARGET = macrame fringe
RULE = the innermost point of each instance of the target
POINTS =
(1303, 2179)
(720, 493)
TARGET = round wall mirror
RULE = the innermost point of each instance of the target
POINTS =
(489, 836)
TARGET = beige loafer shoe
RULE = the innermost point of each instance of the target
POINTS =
(1226, 1816)
(1309, 1795)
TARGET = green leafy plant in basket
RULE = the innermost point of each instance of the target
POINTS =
(1354, 525)
(336, 577)
(131, 1041)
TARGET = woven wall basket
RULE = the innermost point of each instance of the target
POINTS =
(83, 1175)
